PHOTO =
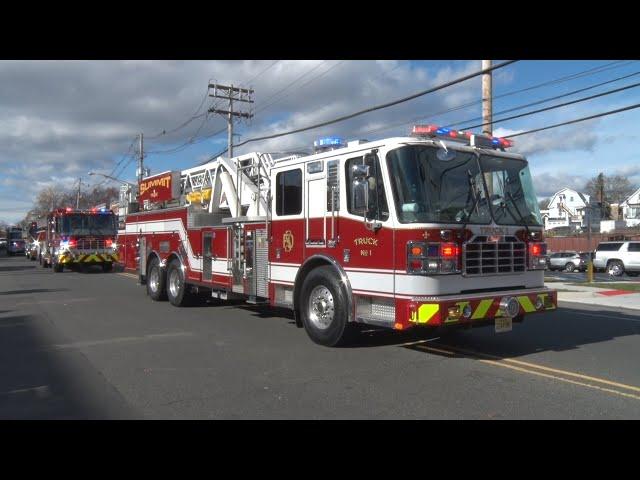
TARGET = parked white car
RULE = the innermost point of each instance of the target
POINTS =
(616, 258)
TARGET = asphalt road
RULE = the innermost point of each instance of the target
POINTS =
(93, 345)
(582, 277)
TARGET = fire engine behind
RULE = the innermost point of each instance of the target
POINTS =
(80, 238)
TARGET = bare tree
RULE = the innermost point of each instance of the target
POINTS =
(606, 190)
(544, 204)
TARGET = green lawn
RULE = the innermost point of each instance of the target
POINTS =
(633, 287)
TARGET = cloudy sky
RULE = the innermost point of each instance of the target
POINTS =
(61, 119)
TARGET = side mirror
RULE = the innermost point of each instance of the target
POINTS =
(360, 172)
(360, 195)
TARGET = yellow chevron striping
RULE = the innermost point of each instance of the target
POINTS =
(526, 304)
(482, 309)
(426, 312)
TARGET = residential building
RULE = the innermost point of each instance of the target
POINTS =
(571, 209)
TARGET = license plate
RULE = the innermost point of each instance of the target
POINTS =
(504, 324)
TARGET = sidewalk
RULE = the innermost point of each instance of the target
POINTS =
(605, 297)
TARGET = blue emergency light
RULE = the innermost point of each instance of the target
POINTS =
(328, 142)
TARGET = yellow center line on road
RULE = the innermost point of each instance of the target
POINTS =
(535, 369)
(130, 275)
(548, 369)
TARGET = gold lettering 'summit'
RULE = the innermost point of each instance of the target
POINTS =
(156, 182)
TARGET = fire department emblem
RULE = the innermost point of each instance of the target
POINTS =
(287, 241)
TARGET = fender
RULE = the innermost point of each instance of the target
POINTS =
(177, 255)
(306, 267)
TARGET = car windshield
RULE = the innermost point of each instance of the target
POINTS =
(431, 187)
(91, 224)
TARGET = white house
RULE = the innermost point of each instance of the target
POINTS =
(568, 208)
(631, 209)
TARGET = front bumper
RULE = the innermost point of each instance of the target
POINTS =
(87, 258)
(468, 309)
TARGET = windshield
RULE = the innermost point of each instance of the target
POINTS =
(428, 189)
(97, 224)
(15, 235)
(513, 201)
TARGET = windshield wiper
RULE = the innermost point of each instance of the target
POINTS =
(515, 205)
(476, 199)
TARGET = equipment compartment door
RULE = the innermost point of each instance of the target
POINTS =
(207, 254)
(142, 257)
(237, 267)
(315, 211)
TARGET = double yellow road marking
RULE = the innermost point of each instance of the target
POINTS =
(586, 381)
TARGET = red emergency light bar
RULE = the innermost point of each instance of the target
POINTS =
(477, 140)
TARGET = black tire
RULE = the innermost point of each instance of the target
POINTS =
(107, 267)
(177, 290)
(58, 267)
(633, 274)
(615, 268)
(339, 331)
(156, 281)
(569, 267)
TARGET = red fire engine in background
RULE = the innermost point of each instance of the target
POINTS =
(76, 238)
(441, 228)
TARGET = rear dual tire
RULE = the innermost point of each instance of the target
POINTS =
(156, 281)
(178, 292)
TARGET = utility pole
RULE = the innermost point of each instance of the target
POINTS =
(487, 99)
(140, 158)
(590, 262)
(78, 195)
(231, 93)
(487, 113)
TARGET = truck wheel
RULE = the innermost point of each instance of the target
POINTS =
(107, 267)
(156, 281)
(58, 267)
(615, 268)
(323, 308)
(569, 267)
(177, 290)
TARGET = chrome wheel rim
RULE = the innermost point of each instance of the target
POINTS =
(154, 279)
(174, 283)
(615, 270)
(320, 307)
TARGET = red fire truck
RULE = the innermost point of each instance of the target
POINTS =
(78, 238)
(440, 228)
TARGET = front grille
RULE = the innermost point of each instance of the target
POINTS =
(486, 256)
(91, 245)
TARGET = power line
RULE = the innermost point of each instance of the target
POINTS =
(301, 86)
(258, 75)
(381, 106)
(121, 159)
(568, 94)
(289, 86)
(591, 117)
(191, 140)
(584, 73)
(584, 99)
(372, 109)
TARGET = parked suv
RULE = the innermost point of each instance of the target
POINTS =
(617, 258)
(568, 261)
